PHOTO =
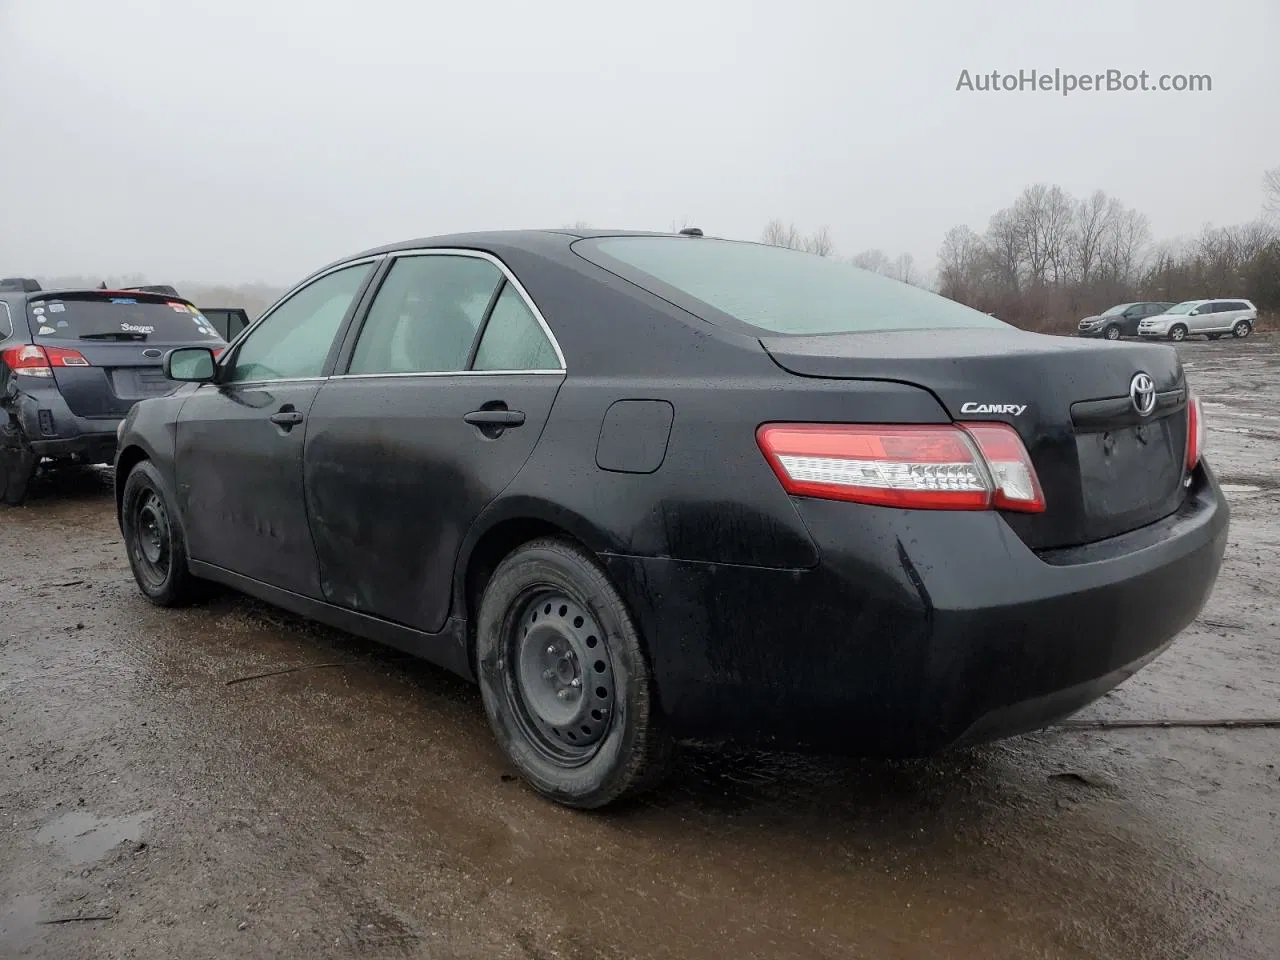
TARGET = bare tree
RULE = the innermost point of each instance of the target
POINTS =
(1044, 217)
(1095, 218)
(1005, 245)
(877, 261)
(819, 242)
(904, 268)
(960, 264)
(1271, 189)
(779, 234)
(1125, 244)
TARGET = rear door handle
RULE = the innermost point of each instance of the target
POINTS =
(495, 418)
(286, 418)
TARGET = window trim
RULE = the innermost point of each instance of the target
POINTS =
(508, 278)
(232, 350)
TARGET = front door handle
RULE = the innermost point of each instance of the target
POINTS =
(286, 418)
(495, 418)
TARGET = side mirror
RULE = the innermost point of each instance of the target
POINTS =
(190, 365)
(1194, 313)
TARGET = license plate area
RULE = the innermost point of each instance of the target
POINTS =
(138, 383)
(1129, 469)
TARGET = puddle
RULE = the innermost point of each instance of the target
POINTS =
(84, 838)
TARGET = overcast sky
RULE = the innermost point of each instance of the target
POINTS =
(237, 141)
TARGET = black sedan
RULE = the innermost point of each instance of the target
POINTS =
(649, 488)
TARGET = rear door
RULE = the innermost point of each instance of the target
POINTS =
(1234, 311)
(239, 441)
(111, 345)
(446, 387)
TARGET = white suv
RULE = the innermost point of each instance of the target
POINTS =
(1210, 318)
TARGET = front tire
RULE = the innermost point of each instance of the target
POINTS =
(154, 540)
(1242, 329)
(1112, 332)
(1177, 333)
(565, 681)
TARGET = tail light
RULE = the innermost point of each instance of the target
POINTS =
(975, 466)
(217, 352)
(36, 361)
(1195, 432)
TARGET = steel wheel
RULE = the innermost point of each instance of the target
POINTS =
(559, 677)
(151, 543)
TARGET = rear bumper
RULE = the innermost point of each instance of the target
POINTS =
(918, 629)
(54, 431)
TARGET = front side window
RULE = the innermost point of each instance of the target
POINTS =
(775, 289)
(513, 339)
(294, 340)
(425, 316)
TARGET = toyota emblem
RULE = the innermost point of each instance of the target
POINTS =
(1142, 391)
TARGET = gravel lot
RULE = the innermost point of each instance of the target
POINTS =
(153, 806)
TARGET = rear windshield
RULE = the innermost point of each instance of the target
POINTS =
(776, 289)
(92, 316)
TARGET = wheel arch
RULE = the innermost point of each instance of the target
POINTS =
(129, 457)
(502, 528)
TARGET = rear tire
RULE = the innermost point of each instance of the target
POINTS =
(1242, 329)
(1112, 332)
(18, 463)
(154, 540)
(565, 680)
(1177, 333)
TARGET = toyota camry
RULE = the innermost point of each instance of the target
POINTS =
(653, 488)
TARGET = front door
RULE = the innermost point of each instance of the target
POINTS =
(239, 441)
(449, 382)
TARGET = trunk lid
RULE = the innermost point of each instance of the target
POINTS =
(122, 337)
(1104, 468)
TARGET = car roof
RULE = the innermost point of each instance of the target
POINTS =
(531, 241)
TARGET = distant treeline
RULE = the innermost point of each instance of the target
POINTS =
(1049, 259)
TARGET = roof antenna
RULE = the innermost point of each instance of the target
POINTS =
(691, 231)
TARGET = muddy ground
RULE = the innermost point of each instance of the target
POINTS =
(152, 806)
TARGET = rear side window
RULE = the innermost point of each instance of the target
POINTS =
(228, 321)
(1236, 305)
(776, 289)
(425, 316)
(95, 316)
(513, 339)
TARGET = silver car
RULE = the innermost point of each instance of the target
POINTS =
(1209, 318)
